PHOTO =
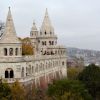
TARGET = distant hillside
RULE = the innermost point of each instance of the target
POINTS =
(89, 56)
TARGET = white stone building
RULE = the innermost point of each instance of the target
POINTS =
(47, 63)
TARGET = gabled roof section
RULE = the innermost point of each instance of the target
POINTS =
(9, 35)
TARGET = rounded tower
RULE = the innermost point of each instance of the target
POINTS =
(10, 45)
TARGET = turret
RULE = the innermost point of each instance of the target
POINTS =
(34, 31)
(10, 45)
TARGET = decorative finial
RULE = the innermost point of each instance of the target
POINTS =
(9, 7)
(46, 13)
(33, 22)
(46, 10)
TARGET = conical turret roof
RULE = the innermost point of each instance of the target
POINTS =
(9, 35)
(46, 25)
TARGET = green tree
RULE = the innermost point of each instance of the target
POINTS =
(73, 72)
(5, 91)
(68, 90)
(90, 76)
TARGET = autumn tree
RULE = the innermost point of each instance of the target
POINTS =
(17, 91)
(27, 48)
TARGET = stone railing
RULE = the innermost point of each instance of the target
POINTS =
(24, 79)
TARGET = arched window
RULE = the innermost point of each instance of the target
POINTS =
(45, 42)
(16, 51)
(45, 32)
(11, 51)
(52, 42)
(26, 71)
(46, 65)
(36, 68)
(49, 42)
(11, 74)
(32, 69)
(6, 74)
(63, 63)
(40, 33)
(31, 34)
(22, 73)
(38, 41)
(43, 66)
(5, 51)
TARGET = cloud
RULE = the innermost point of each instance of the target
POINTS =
(76, 22)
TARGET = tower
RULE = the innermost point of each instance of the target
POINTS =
(33, 37)
(46, 37)
(10, 45)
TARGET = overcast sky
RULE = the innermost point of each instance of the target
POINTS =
(76, 22)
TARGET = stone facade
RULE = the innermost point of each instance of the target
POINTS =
(47, 63)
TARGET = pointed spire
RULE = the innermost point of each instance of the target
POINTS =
(34, 31)
(34, 28)
(46, 13)
(46, 25)
(9, 35)
(10, 29)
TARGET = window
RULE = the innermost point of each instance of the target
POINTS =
(42, 42)
(6, 74)
(26, 71)
(45, 42)
(38, 41)
(63, 63)
(45, 32)
(5, 51)
(50, 42)
(16, 51)
(22, 73)
(40, 33)
(55, 52)
(36, 68)
(11, 74)
(32, 69)
(11, 51)
(31, 33)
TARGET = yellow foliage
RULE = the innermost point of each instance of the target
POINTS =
(18, 92)
(27, 48)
